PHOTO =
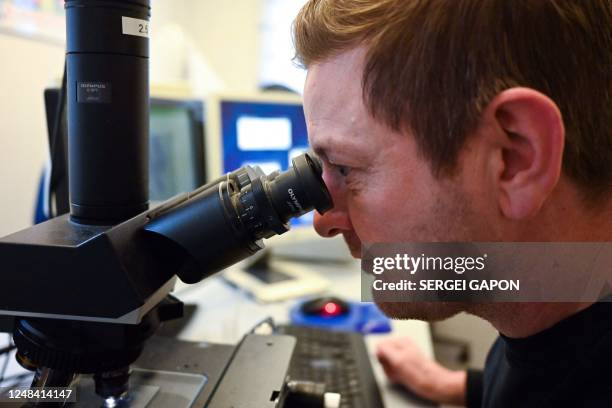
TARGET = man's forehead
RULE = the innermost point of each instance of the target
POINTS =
(333, 101)
(335, 83)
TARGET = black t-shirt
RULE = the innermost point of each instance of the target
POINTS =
(568, 365)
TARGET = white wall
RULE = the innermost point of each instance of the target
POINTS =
(221, 38)
(26, 68)
(228, 34)
(276, 62)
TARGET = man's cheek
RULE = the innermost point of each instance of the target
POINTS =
(365, 231)
(366, 214)
(384, 226)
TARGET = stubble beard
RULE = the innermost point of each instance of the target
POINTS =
(451, 219)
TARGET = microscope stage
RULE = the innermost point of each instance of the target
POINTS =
(177, 374)
(148, 389)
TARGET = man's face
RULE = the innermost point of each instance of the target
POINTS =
(383, 190)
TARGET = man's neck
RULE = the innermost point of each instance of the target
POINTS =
(519, 320)
(566, 218)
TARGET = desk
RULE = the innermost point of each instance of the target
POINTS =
(225, 313)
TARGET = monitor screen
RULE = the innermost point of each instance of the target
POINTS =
(176, 148)
(262, 133)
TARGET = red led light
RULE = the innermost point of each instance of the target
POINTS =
(331, 308)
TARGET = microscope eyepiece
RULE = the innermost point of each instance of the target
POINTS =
(265, 204)
(225, 221)
(299, 189)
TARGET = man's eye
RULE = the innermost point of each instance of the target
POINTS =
(344, 170)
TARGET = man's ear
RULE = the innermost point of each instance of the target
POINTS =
(530, 139)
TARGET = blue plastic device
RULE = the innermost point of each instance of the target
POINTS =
(362, 318)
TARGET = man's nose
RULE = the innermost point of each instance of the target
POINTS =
(333, 222)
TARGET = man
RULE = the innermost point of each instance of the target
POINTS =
(471, 120)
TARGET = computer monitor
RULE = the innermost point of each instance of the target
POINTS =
(177, 153)
(266, 129)
(176, 144)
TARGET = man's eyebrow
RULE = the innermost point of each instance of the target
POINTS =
(333, 151)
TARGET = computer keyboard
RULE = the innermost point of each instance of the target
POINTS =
(339, 360)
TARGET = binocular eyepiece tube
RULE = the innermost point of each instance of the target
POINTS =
(225, 221)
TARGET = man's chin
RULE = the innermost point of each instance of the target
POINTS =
(427, 311)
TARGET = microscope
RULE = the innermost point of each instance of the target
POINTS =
(83, 293)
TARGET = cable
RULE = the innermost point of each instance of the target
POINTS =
(264, 327)
(18, 380)
(5, 350)
(53, 145)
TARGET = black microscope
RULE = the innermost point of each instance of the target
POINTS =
(82, 293)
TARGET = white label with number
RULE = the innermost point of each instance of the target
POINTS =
(135, 26)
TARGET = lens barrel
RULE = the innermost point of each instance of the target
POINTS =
(269, 202)
(224, 222)
(107, 61)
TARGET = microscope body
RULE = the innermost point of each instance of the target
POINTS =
(80, 272)
(84, 291)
